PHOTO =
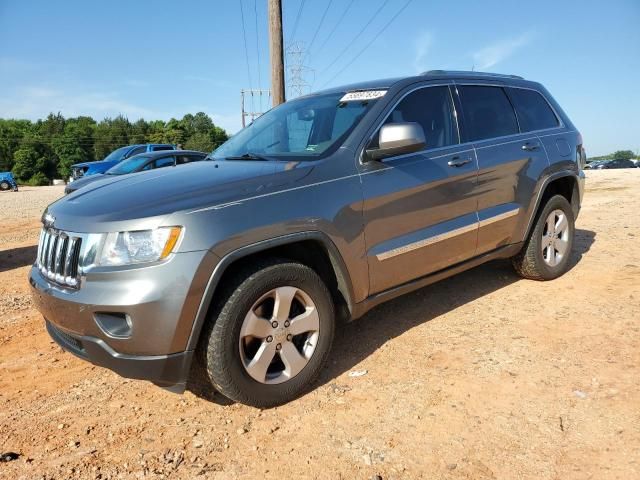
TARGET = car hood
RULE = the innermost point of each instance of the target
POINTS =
(145, 198)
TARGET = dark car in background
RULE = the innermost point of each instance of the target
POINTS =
(140, 163)
(616, 163)
(91, 168)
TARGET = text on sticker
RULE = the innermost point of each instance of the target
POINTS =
(365, 95)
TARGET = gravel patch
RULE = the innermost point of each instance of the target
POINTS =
(28, 202)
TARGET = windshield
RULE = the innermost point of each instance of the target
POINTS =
(116, 155)
(128, 166)
(304, 128)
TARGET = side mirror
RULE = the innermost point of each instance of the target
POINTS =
(398, 139)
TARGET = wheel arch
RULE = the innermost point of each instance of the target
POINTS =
(312, 248)
(565, 183)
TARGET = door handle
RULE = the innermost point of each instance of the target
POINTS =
(530, 146)
(458, 162)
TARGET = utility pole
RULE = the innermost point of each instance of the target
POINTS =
(276, 51)
(249, 111)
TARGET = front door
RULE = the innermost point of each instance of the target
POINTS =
(420, 209)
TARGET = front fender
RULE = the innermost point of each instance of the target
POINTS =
(342, 274)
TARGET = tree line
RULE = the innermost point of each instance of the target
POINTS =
(37, 152)
(620, 154)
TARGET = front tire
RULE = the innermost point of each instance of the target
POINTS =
(547, 251)
(268, 341)
(4, 185)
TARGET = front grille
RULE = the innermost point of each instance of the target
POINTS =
(65, 340)
(58, 255)
(77, 173)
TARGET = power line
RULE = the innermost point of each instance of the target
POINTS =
(246, 50)
(375, 37)
(255, 13)
(337, 24)
(295, 24)
(324, 15)
(348, 44)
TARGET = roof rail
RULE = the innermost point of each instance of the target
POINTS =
(470, 73)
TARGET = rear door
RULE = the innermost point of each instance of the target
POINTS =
(509, 163)
(419, 209)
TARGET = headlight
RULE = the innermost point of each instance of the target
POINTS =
(124, 248)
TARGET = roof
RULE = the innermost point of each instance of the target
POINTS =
(387, 83)
(467, 74)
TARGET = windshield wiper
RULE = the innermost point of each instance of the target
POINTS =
(247, 156)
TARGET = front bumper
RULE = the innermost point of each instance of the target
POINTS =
(136, 322)
(168, 371)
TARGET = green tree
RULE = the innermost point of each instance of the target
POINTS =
(201, 142)
(624, 155)
(29, 159)
(70, 147)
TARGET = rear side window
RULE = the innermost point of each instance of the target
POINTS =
(534, 112)
(182, 159)
(487, 112)
(164, 162)
(430, 107)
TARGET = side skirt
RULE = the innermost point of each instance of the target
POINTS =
(359, 309)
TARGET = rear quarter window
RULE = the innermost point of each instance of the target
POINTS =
(487, 112)
(534, 112)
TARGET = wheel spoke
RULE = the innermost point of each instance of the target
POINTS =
(561, 246)
(551, 255)
(254, 326)
(282, 306)
(561, 224)
(292, 359)
(258, 366)
(551, 223)
(306, 322)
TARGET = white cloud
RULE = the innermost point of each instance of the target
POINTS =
(495, 53)
(37, 101)
(423, 45)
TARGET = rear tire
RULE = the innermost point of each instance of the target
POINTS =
(251, 361)
(547, 251)
(4, 185)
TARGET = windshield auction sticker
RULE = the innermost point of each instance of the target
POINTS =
(363, 95)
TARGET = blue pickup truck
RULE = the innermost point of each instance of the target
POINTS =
(90, 168)
(7, 182)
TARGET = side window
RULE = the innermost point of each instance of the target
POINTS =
(164, 162)
(487, 112)
(159, 148)
(534, 113)
(136, 151)
(430, 107)
(182, 159)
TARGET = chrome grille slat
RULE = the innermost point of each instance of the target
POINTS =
(58, 254)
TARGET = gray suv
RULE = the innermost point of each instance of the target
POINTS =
(238, 269)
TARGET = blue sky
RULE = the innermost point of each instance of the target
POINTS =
(162, 59)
